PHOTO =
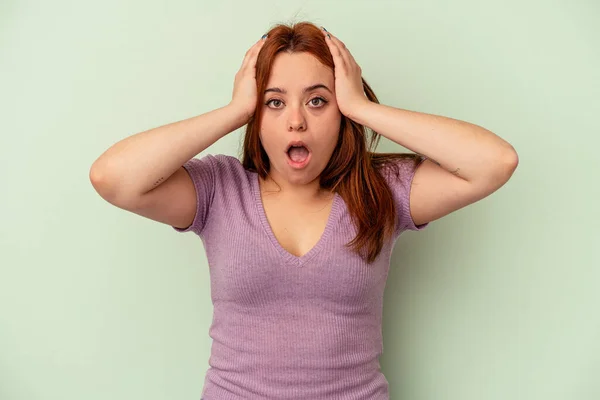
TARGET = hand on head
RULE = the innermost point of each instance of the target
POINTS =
(244, 88)
(348, 76)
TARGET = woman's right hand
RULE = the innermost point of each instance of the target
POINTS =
(244, 88)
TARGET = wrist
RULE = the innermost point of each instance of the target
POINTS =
(359, 113)
(240, 115)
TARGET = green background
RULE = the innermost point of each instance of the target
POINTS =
(499, 300)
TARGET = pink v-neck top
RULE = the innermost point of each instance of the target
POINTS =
(289, 327)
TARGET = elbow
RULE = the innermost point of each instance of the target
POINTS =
(510, 161)
(499, 172)
(506, 165)
(101, 183)
(105, 185)
(97, 178)
(96, 175)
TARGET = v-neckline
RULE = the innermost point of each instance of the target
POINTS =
(287, 256)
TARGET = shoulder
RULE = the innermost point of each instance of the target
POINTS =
(221, 165)
(226, 173)
(230, 171)
(401, 171)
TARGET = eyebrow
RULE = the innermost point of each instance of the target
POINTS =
(307, 89)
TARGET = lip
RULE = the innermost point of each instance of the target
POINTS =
(297, 143)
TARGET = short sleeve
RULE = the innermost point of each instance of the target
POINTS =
(202, 171)
(401, 184)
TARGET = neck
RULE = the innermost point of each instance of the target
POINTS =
(303, 192)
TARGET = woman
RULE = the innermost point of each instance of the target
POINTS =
(298, 235)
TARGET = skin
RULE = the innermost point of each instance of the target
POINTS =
(291, 113)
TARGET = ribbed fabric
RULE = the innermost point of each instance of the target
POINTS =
(288, 327)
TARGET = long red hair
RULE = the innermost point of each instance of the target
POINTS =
(354, 169)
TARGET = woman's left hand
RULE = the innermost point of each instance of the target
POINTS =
(349, 90)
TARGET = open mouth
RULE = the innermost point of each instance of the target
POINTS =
(298, 154)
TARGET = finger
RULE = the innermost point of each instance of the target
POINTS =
(344, 52)
(252, 53)
(338, 59)
(247, 55)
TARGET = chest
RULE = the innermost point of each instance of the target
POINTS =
(279, 252)
(297, 227)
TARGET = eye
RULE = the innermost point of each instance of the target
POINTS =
(316, 102)
(272, 101)
(319, 101)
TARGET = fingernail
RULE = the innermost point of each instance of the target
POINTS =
(324, 28)
(329, 36)
(264, 36)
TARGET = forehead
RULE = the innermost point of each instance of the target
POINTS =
(298, 70)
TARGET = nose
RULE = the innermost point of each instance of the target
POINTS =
(296, 120)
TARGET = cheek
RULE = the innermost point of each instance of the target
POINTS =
(333, 130)
(333, 117)
(268, 138)
(268, 126)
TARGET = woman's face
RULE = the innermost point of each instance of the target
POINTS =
(299, 104)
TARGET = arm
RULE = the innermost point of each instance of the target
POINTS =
(470, 161)
(144, 173)
(141, 162)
